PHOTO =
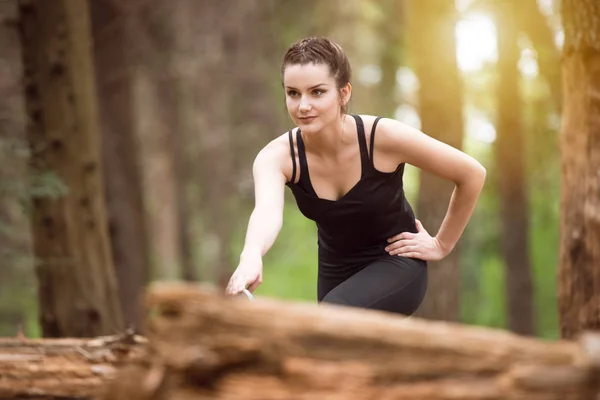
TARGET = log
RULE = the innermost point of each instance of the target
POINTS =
(64, 368)
(206, 346)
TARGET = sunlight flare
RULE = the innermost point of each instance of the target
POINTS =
(476, 42)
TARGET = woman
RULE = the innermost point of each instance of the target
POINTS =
(345, 172)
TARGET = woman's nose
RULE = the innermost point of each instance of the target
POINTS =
(304, 104)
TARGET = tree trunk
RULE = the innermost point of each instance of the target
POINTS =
(206, 346)
(77, 287)
(510, 166)
(236, 117)
(391, 33)
(149, 29)
(121, 158)
(184, 69)
(534, 24)
(16, 272)
(61, 369)
(579, 268)
(433, 48)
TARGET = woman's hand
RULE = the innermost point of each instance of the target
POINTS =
(248, 275)
(416, 245)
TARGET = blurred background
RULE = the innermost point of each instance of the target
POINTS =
(188, 91)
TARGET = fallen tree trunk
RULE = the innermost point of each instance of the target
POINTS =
(63, 368)
(206, 346)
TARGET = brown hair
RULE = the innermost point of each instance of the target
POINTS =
(320, 50)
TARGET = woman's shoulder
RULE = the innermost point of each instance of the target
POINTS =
(280, 144)
(386, 127)
(367, 117)
(368, 121)
(391, 136)
(383, 123)
(277, 153)
(275, 148)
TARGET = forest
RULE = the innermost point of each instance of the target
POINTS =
(128, 132)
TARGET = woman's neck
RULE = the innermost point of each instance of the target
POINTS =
(329, 140)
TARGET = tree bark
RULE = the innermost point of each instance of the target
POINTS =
(511, 172)
(433, 48)
(121, 158)
(77, 288)
(579, 267)
(206, 346)
(64, 368)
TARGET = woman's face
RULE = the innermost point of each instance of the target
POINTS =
(311, 95)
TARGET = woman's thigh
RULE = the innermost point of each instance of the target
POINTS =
(394, 284)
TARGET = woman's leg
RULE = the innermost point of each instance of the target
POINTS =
(394, 284)
(326, 284)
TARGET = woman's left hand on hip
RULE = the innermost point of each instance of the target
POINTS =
(416, 245)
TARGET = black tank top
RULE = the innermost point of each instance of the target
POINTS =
(353, 230)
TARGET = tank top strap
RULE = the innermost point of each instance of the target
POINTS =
(293, 154)
(372, 144)
(304, 180)
(362, 143)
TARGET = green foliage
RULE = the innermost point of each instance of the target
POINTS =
(44, 184)
(544, 244)
(482, 272)
(491, 304)
(18, 295)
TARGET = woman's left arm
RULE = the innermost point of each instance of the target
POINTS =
(414, 147)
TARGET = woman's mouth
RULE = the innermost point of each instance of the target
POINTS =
(307, 119)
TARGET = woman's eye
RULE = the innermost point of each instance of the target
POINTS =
(318, 92)
(292, 93)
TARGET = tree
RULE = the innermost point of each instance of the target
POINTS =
(534, 24)
(579, 255)
(234, 113)
(433, 54)
(77, 286)
(184, 59)
(510, 166)
(390, 33)
(16, 305)
(332, 352)
(121, 155)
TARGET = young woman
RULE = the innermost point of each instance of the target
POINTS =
(345, 172)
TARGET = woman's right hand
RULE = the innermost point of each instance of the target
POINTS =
(248, 275)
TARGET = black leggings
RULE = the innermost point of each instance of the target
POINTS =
(394, 284)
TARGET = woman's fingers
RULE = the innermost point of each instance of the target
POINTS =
(236, 284)
(404, 249)
(401, 236)
(240, 282)
(255, 284)
(399, 244)
(411, 254)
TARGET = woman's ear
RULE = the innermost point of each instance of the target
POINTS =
(345, 94)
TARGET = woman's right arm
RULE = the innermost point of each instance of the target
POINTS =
(265, 221)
